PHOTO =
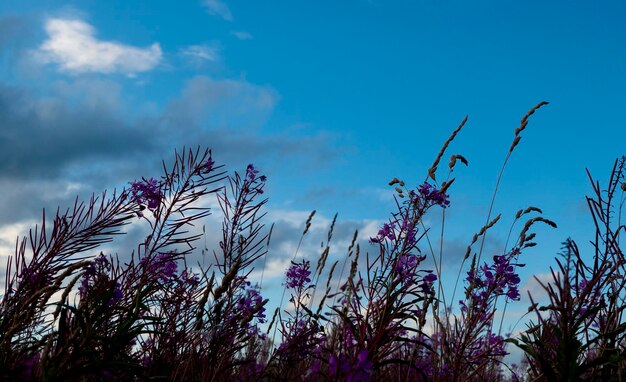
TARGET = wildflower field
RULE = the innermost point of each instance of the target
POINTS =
(71, 311)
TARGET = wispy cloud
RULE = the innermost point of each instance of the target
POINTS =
(242, 35)
(533, 285)
(218, 8)
(220, 103)
(72, 45)
(199, 53)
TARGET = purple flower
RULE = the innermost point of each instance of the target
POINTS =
(493, 345)
(188, 277)
(147, 192)
(209, 163)
(433, 196)
(35, 275)
(255, 182)
(409, 227)
(513, 293)
(96, 281)
(427, 282)
(298, 274)
(386, 232)
(405, 268)
(169, 269)
(163, 266)
(251, 172)
(91, 271)
(251, 304)
(497, 279)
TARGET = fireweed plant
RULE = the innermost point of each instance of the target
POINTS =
(581, 333)
(70, 312)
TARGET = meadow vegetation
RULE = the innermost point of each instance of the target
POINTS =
(70, 312)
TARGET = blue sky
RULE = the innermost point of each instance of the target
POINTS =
(331, 99)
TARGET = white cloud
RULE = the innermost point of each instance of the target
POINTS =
(9, 233)
(72, 45)
(242, 35)
(534, 287)
(297, 219)
(274, 268)
(218, 8)
(370, 228)
(201, 52)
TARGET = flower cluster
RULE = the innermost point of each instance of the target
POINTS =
(303, 337)
(209, 164)
(163, 266)
(146, 192)
(35, 276)
(406, 265)
(406, 268)
(254, 182)
(491, 344)
(96, 281)
(432, 196)
(298, 274)
(385, 233)
(408, 226)
(190, 278)
(251, 305)
(251, 172)
(428, 281)
(499, 278)
(430, 278)
(503, 277)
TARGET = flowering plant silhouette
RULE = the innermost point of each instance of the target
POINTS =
(70, 312)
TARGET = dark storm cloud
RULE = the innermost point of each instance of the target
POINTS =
(78, 135)
(82, 134)
(40, 138)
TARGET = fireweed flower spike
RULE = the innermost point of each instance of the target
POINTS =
(163, 266)
(146, 192)
(209, 163)
(252, 172)
(252, 181)
(298, 274)
(433, 196)
(96, 281)
(406, 269)
(250, 306)
(385, 233)
(498, 279)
